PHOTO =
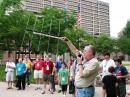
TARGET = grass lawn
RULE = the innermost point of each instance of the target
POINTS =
(3, 74)
(126, 64)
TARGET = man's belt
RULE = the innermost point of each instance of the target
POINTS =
(38, 69)
(85, 87)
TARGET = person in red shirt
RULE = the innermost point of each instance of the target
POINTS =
(48, 67)
(71, 61)
(38, 71)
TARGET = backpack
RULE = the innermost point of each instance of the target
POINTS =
(71, 87)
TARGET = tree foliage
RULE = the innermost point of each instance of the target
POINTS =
(7, 4)
(54, 24)
(78, 36)
(126, 31)
(20, 23)
(124, 45)
(103, 44)
(13, 29)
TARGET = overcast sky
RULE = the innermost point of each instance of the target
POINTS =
(119, 14)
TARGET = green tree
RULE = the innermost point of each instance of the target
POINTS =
(104, 44)
(53, 24)
(1, 54)
(78, 36)
(124, 45)
(115, 46)
(7, 4)
(126, 31)
(51, 21)
(13, 29)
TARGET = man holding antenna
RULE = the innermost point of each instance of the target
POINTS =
(88, 70)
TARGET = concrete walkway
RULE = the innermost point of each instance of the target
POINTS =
(31, 92)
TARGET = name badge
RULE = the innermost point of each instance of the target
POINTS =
(38, 65)
(19, 69)
(47, 67)
(63, 79)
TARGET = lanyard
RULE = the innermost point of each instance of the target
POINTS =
(106, 63)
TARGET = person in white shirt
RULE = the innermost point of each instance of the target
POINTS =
(10, 65)
(106, 63)
(128, 93)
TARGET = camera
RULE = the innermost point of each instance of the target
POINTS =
(79, 55)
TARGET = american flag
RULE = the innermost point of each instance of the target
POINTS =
(78, 15)
(66, 9)
(66, 4)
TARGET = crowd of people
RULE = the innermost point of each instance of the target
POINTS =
(79, 74)
(114, 77)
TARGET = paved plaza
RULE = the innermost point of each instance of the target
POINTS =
(31, 92)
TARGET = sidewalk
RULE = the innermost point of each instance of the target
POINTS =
(28, 92)
(31, 92)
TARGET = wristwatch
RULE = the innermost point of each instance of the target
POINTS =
(80, 64)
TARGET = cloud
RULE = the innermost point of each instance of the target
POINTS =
(119, 14)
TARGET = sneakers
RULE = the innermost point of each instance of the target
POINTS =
(59, 91)
(38, 88)
(9, 88)
(18, 89)
(43, 92)
(51, 92)
(28, 85)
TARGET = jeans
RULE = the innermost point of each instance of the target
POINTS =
(28, 77)
(85, 92)
(122, 89)
(52, 82)
(21, 80)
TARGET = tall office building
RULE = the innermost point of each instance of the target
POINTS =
(33, 5)
(95, 17)
(94, 13)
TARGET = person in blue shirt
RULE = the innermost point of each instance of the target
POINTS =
(121, 74)
(58, 67)
(59, 64)
(21, 70)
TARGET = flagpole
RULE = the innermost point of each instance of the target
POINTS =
(80, 12)
(66, 5)
(43, 3)
(65, 9)
(51, 2)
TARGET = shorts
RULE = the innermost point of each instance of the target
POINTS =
(9, 76)
(71, 87)
(38, 74)
(47, 77)
(111, 95)
(64, 88)
(122, 89)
